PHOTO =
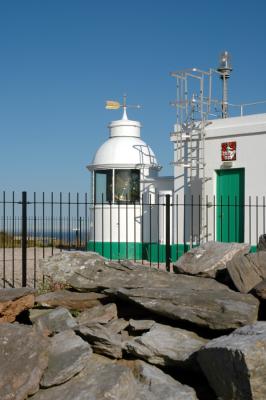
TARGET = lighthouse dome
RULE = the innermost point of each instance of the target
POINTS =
(124, 152)
(124, 148)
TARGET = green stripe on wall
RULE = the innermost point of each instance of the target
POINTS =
(115, 250)
(153, 252)
(253, 249)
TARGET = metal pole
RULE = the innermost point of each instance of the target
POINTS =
(167, 233)
(4, 239)
(225, 97)
(24, 239)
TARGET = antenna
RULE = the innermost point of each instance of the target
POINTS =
(224, 69)
(193, 102)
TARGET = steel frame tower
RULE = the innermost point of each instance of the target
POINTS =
(193, 108)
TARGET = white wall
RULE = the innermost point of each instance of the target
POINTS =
(129, 223)
(249, 132)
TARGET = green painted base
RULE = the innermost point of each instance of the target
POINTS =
(153, 252)
(117, 251)
(253, 249)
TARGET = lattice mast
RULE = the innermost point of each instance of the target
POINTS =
(193, 105)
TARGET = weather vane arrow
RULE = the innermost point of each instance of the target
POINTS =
(115, 105)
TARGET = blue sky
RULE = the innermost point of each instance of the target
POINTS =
(60, 60)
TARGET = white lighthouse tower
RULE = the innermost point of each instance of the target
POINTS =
(124, 173)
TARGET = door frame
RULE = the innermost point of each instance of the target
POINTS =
(239, 230)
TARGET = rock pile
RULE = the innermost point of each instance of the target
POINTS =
(125, 331)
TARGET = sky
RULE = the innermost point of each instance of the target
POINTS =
(60, 60)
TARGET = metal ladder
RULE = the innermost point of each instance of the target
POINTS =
(192, 112)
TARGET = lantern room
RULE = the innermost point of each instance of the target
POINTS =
(121, 163)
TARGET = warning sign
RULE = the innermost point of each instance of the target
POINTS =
(229, 151)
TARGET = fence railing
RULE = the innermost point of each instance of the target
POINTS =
(156, 230)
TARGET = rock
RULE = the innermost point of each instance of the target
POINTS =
(69, 300)
(218, 310)
(55, 321)
(261, 246)
(99, 314)
(99, 359)
(180, 297)
(165, 346)
(37, 312)
(260, 290)
(125, 336)
(159, 384)
(68, 355)
(96, 382)
(117, 325)
(247, 270)
(142, 325)
(235, 365)
(14, 301)
(207, 259)
(102, 340)
(100, 274)
(23, 359)
(61, 266)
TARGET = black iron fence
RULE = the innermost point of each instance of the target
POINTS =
(34, 227)
(154, 231)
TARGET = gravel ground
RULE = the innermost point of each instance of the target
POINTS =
(11, 265)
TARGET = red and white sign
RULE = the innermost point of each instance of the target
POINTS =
(229, 151)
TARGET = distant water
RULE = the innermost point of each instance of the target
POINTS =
(56, 235)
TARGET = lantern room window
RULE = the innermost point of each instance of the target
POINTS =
(124, 184)
(127, 185)
(103, 184)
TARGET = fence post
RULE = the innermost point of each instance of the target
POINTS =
(167, 233)
(24, 238)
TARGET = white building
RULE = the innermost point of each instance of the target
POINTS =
(217, 191)
(233, 205)
(125, 186)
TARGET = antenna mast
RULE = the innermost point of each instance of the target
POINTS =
(193, 105)
(224, 69)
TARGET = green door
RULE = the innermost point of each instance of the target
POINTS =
(230, 205)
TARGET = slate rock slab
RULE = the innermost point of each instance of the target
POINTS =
(62, 265)
(235, 365)
(96, 382)
(117, 325)
(102, 340)
(218, 310)
(99, 274)
(55, 321)
(157, 383)
(262, 243)
(69, 300)
(68, 355)
(141, 325)
(260, 290)
(23, 359)
(99, 314)
(37, 312)
(246, 271)
(165, 346)
(207, 259)
(14, 301)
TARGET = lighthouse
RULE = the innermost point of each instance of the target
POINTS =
(124, 186)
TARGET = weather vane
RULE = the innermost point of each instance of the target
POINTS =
(115, 105)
